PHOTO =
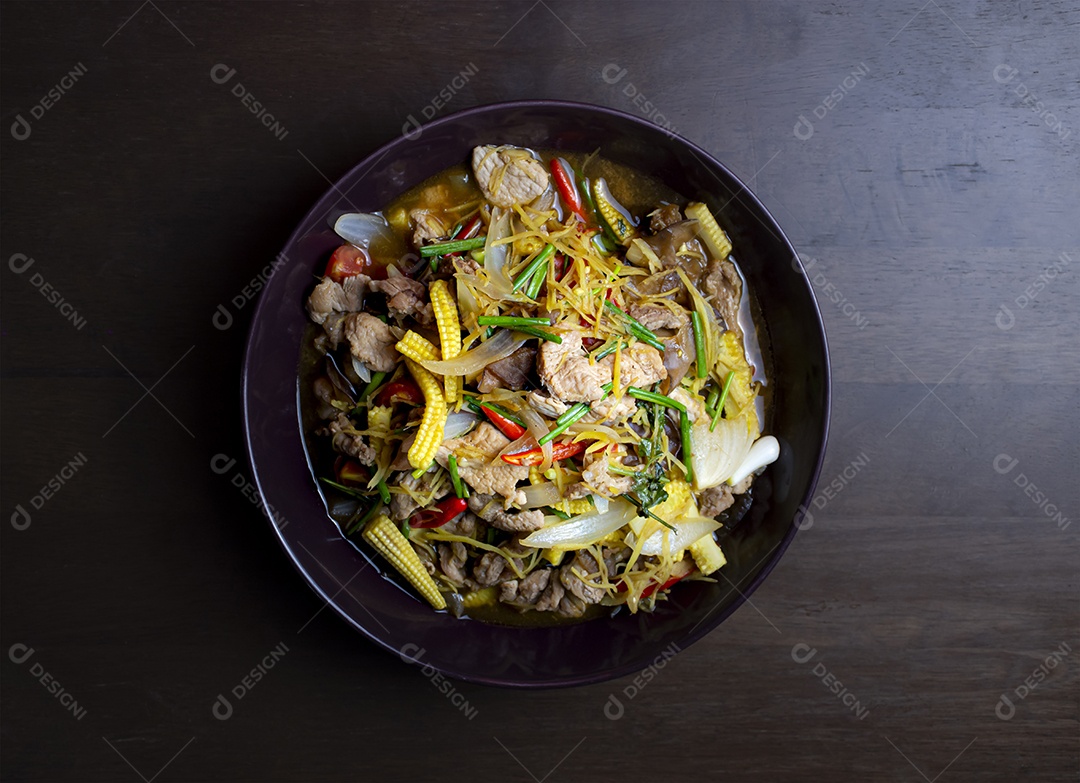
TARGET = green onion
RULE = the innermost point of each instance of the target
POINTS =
(421, 471)
(376, 381)
(562, 424)
(699, 343)
(635, 328)
(560, 514)
(442, 248)
(710, 401)
(720, 404)
(364, 519)
(688, 460)
(405, 528)
(455, 477)
(659, 399)
(607, 349)
(351, 491)
(550, 337)
(478, 256)
(511, 320)
(532, 290)
(621, 471)
(530, 270)
(384, 492)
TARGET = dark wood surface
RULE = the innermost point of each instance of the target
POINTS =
(930, 197)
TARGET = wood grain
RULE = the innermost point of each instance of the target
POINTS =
(928, 197)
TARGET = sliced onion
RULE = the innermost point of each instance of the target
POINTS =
(495, 255)
(718, 454)
(538, 428)
(602, 503)
(466, 300)
(361, 369)
(475, 359)
(458, 424)
(763, 452)
(366, 231)
(687, 531)
(582, 530)
(540, 495)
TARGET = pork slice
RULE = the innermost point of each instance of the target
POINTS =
(657, 316)
(452, 560)
(509, 175)
(639, 365)
(371, 341)
(566, 372)
(662, 217)
(488, 510)
(489, 569)
(574, 575)
(330, 297)
(524, 593)
(723, 285)
(346, 439)
(509, 373)
(551, 597)
(478, 464)
(612, 410)
(597, 476)
(428, 226)
(405, 297)
(715, 500)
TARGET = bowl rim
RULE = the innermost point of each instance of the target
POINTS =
(704, 627)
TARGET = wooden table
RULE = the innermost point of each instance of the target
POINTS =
(922, 157)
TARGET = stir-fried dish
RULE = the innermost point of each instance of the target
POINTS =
(533, 398)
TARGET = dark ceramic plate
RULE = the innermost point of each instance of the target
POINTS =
(798, 366)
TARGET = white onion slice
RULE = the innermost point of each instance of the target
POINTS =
(687, 531)
(601, 503)
(583, 529)
(366, 231)
(475, 359)
(361, 369)
(718, 454)
(540, 495)
(495, 255)
(538, 429)
(458, 424)
(763, 452)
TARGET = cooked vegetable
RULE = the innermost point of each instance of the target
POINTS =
(485, 596)
(347, 261)
(399, 391)
(687, 446)
(446, 317)
(417, 347)
(513, 321)
(617, 218)
(715, 238)
(384, 537)
(430, 434)
(470, 362)
(707, 554)
(526, 275)
(635, 328)
(720, 402)
(702, 369)
(563, 175)
(455, 477)
(439, 514)
(509, 428)
(583, 530)
(719, 452)
(564, 450)
(457, 246)
(763, 452)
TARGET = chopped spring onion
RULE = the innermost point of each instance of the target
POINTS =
(532, 290)
(687, 449)
(443, 248)
(699, 344)
(511, 320)
(659, 399)
(562, 424)
(635, 328)
(384, 492)
(607, 349)
(455, 477)
(720, 404)
(543, 334)
(527, 273)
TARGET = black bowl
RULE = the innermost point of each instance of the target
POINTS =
(798, 365)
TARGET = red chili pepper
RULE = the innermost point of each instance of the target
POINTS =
(564, 182)
(439, 514)
(561, 450)
(399, 391)
(350, 472)
(470, 229)
(510, 429)
(347, 261)
(559, 264)
(687, 570)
